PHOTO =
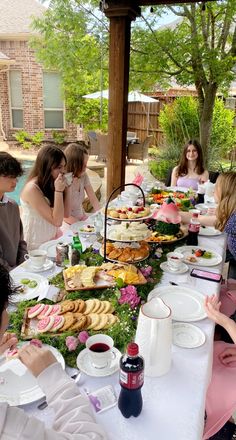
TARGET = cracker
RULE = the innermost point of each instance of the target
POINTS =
(112, 319)
(107, 305)
(96, 306)
(101, 308)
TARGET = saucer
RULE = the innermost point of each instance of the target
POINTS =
(46, 266)
(187, 335)
(84, 364)
(166, 268)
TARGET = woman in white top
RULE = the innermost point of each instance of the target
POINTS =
(77, 159)
(45, 199)
(73, 417)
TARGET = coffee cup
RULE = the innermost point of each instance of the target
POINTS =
(175, 260)
(100, 350)
(37, 258)
(69, 178)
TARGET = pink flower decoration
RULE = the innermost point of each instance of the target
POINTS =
(129, 296)
(146, 271)
(71, 343)
(83, 336)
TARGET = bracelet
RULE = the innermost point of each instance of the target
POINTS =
(58, 191)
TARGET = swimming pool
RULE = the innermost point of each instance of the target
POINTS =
(27, 165)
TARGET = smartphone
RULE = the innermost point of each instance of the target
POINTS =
(206, 275)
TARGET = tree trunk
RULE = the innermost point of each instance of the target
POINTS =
(206, 116)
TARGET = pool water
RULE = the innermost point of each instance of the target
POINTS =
(15, 195)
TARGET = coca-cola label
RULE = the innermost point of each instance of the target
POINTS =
(194, 227)
(132, 380)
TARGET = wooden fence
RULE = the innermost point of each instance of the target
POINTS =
(143, 119)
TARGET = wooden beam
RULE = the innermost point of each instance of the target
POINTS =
(119, 54)
(167, 2)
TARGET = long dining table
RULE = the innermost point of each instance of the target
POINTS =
(173, 404)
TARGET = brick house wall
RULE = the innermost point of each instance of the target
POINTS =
(32, 89)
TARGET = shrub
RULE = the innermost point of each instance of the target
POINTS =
(37, 138)
(180, 122)
(59, 138)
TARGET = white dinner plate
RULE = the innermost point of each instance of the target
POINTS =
(209, 231)
(138, 219)
(50, 246)
(124, 241)
(76, 227)
(187, 335)
(46, 266)
(200, 261)
(186, 304)
(18, 386)
(84, 364)
(29, 293)
(166, 268)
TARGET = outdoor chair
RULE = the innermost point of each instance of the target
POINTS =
(212, 176)
(103, 147)
(93, 142)
(139, 151)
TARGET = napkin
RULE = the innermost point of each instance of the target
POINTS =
(50, 293)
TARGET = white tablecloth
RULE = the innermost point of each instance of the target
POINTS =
(174, 404)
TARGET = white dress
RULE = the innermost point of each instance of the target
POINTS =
(37, 230)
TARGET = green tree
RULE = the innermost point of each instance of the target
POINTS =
(72, 39)
(199, 49)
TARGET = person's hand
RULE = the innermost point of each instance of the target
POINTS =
(36, 359)
(228, 355)
(211, 211)
(212, 307)
(60, 182)
(9, 340)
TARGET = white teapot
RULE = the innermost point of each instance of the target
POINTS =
(154, 336)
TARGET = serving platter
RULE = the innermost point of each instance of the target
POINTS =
(101, 277)
(188, 252)
(126, 253)
(186, 304)
(112, 229)
(161, 238)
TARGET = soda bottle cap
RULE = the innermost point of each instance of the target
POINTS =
(132, 349)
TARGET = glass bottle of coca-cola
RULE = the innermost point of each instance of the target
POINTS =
(130, 400)
(193, 230)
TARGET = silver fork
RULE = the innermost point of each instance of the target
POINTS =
(44, 404)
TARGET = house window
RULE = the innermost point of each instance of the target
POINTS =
(53, 103)
(16, 98)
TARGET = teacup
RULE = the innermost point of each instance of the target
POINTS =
(37, 258)
(175, 260)
(100, 350)
(69, 178)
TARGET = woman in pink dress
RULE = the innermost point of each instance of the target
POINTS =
(221, 393)
(190, 170)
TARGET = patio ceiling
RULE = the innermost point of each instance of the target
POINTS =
(120, 14)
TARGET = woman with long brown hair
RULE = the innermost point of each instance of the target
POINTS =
(77, 159)
(190, 170)
(45, 198)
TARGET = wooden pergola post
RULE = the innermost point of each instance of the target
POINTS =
(120, 16)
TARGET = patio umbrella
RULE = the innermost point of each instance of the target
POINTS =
(133, 96)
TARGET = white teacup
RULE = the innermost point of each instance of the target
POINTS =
(175, 260)
(100, 350)
(37, 258)
(69, 178)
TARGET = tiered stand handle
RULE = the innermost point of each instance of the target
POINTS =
(106, 207)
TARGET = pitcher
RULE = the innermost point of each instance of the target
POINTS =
(154, 336)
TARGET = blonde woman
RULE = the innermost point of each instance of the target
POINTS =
(77, 159)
